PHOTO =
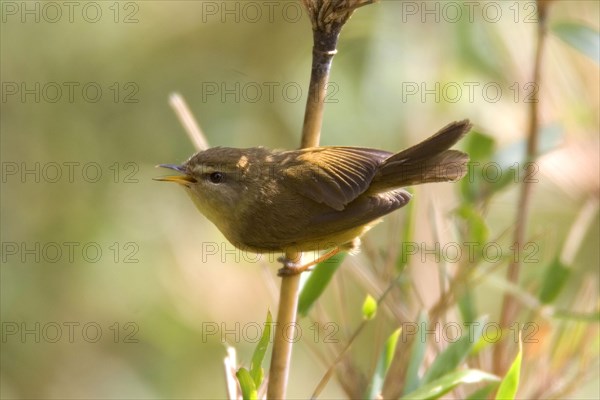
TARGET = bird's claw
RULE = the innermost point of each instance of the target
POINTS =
(290, 267)
(287, 263)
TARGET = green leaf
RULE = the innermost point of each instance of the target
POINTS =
(466, 304)
(369, 307)
(582, 37)
(417, 353)
(483, 393)
(455, 353)
(247, 384)
(390, 348)
(510, 383)
(256, 370)
(555, 277)
(443, 385)
(480, 345)
(478, 230)
(383, 363)
(317, 282)
(480, 148)
(593, 316)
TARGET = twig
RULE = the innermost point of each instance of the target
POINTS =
(580, 226)
(327, 18)
(353, 337)
(339, 357)
(188, 121)
(509, 304)
(284, 333)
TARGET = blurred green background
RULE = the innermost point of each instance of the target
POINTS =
(107, 287)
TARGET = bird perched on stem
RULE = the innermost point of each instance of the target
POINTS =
(312, 199)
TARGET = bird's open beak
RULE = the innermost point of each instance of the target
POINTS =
(181, 179)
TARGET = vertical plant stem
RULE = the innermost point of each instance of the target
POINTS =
(284, 333)
(327, 19)
(323, 52)
(510, 305)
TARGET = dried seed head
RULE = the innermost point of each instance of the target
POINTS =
(330, 15)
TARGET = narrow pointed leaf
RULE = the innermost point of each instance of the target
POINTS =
(455, 353)
(441, 386)
(554, 280)
(466, 304)
(256, 370)
(417, 353)
(383, 363)
(249, 391)
(510, 384)
(317, 282)
(483, 393)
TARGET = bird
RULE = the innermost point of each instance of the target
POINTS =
(312, 199)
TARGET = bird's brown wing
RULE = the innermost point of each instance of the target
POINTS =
(331, 175)
(363, 210)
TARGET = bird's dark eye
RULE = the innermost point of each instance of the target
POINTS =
(216, 177)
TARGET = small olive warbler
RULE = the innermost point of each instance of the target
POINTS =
(318, 198)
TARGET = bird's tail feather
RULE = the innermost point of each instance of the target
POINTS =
(428, 161)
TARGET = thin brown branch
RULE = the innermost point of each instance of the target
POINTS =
(327, 18)
(353, 337)
(317, 91)
(284, 333)
(187, 120)
(510, 306)
(334, 364)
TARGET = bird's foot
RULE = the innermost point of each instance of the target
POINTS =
(292, 267)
